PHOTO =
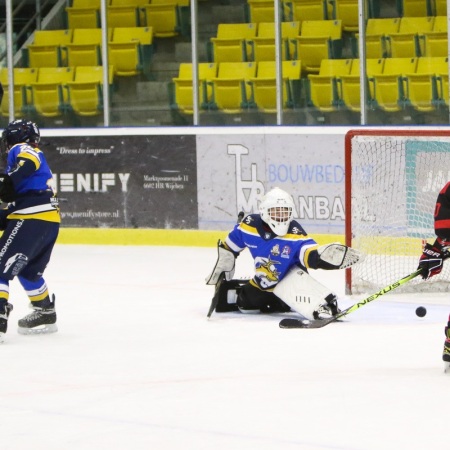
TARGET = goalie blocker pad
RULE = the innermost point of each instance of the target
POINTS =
(228, 293)
(302, 293)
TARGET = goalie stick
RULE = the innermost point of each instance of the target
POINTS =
(215, 299)
(305, 323)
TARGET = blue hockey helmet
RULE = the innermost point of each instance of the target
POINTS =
(19, 131)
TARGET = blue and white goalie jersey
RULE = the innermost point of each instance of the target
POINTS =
(273, 255)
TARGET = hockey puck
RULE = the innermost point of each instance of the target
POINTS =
(421, 311)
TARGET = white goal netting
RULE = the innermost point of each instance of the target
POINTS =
(395, 180)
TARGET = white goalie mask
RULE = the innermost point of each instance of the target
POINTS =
(277, 210)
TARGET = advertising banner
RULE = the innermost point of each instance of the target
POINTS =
(125, 181)
(237, 170)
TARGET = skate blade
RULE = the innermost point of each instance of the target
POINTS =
(43, 329)
(2, 338)
(447, 368)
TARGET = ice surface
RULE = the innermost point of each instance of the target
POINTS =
(136, 365)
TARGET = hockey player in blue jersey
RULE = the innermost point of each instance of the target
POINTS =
(30, 222)
(282, 253)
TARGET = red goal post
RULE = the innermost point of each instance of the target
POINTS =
(392, 179)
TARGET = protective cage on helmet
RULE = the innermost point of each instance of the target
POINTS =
(20, 131)
(277, 210)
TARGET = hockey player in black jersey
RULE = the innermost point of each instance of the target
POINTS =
(434, 254)
(30, 221)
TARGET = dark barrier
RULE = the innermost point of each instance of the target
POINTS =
(125, 181)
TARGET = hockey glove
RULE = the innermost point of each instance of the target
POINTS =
(7, 191)
(433, 257)
(224, 264)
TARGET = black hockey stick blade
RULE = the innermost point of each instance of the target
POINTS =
(305, 323)
(215, 299)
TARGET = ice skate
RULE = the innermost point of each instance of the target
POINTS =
(327, 310)
(6, 310)
(42, 320)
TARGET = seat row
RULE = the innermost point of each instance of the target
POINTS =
(309, 41)
(406, 37)
(233, 87)
(393, 84)
(130, 49)
(53, 91)
(167, 18)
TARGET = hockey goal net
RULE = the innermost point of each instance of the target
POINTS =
(392, 181)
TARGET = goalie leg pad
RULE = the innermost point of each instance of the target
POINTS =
(304, 294)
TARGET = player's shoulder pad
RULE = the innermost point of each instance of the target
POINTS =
(296, 228)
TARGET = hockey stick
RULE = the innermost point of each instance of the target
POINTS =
(215, 299)
(305, 323)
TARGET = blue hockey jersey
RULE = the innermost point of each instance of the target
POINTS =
(273, 255)
(33, 183)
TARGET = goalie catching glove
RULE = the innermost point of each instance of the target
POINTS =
(433, 257)
(337, 256)
(225, 264)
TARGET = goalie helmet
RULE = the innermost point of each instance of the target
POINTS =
(20, 131)
(277, 210)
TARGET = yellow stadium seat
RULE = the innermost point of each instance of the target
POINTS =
(22, 79)
(388, 87)
(46, 48)
(183, 86)
(317, 41)
(262, 47)
(264, 87)
(350, 84)
(405, 43)
(376, 32)
(415, 8)
(130, 50)
(300, 10)
(434, 43)
(47, 94)
(86, 3)
(323, 88)
(163, 18)
(347, 11)
(440, 8)
(230, 43)
(422, 89)
(231, 92)
(85, 48)
(85, 94)
(123, 16)
(261, 11)
(88, 17)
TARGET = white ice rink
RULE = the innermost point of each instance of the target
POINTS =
(136, 365)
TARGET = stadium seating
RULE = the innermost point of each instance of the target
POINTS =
(389, 87)
(230, 43)
(319, 39)
(299, 10)
(262, 47)
(48, 96)
(123, 16)
(46, 48)
(422, 88)
(130, 50)
(183, 100)
(264, 88)
(440, 8)
(350, 84)
(231, 93)
(414, 8)
(377, 30)
(347, 12)
(85, 94)
(323, 88)
(85, 48)
(405, 43)
(260, 11)
(23, 77)
(435, 42)
(83, 14)
(163, 18)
